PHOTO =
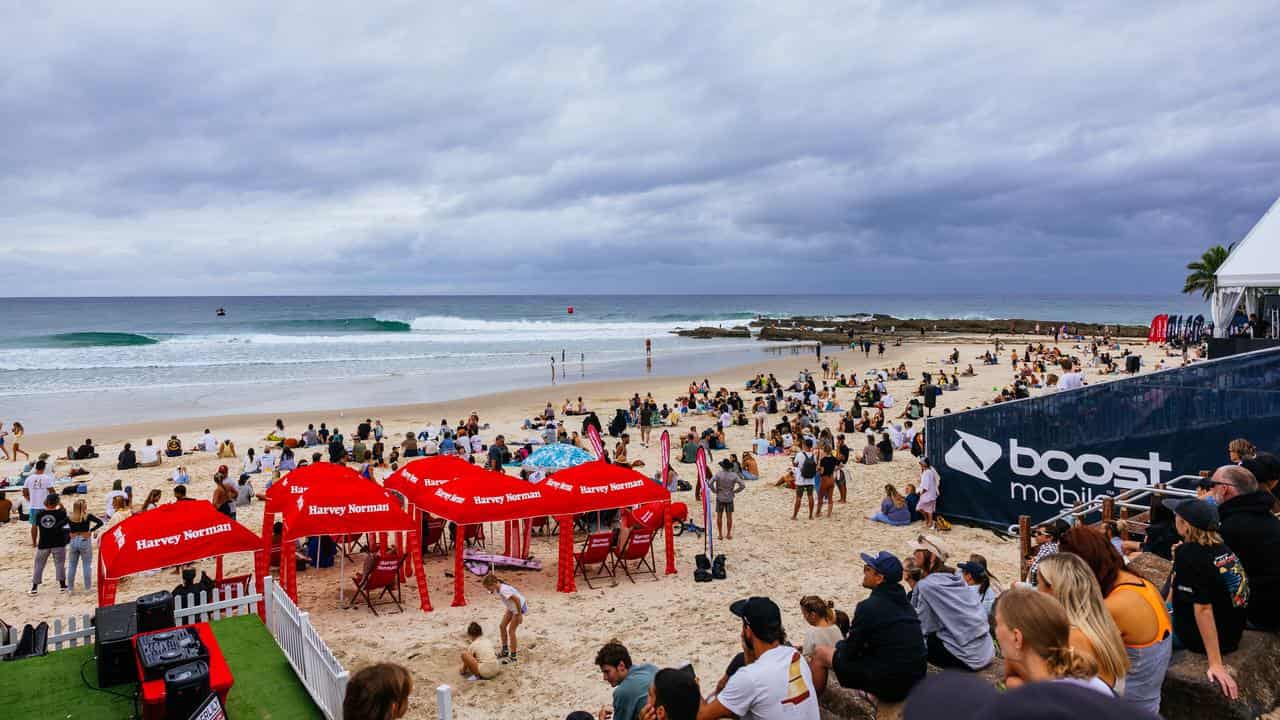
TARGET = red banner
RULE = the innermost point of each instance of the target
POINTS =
(707, 507)
(594, 436)
(666, 459)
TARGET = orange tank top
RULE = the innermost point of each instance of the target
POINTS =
(1151, 596)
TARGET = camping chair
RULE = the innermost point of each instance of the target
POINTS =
(639, 548)
(595, 552)
(352, 544)
(474, 535)
(437, 540)
(545, 526)
(385, 576)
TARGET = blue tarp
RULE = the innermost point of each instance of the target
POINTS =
(557, 456)
(1039, 456)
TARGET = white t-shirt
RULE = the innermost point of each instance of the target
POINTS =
(929, 485)
(38, 488)
(726, 420)
(512, 598)
(209, 443)
(267, 461)
(762, 446)
(477, 445)
(764, 690)
(149, 454)
(1070, 381)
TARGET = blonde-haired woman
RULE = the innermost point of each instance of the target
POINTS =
(821, 629)
(1093, 631)
(81, 524)
(1035, 636)
(1238, 450)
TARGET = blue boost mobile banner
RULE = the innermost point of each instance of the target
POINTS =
(1040, 456)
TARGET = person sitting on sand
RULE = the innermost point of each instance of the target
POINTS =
(750, 470)
(630, 682)
(173, 447)
(957, 632)
(884, 651)
(821, 628)
(149, 456)
(893, 508)
(479, 661)
(870, 454)
(127, 459)
(227, 450)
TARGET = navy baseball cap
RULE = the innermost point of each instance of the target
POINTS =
(884, 563)
(1197, 513)
(975, 570)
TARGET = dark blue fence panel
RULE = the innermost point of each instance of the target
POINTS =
(1039, 456)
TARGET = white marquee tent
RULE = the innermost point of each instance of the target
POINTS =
(1252, 268)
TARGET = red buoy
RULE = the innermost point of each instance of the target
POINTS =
(570, 309)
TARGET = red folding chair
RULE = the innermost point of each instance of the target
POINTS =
(385, 576)
(474, 535)
(638, 549)
(437, 539)
(595, 552)
(239, 582)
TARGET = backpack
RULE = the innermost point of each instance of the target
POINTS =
(941, 524)
(809, 468)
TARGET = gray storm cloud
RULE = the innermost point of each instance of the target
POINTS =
(808, 147)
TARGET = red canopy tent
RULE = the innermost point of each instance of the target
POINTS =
(342, 508)
(602, 485)
(173, 534)
(281, 494)
(456, 490)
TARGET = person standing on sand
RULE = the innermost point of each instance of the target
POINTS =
(18, 432)
(3, 449)
(725, 485)
(930, 489)
(805, 472)
(515, 609)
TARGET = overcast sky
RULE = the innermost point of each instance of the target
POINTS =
(153, 148)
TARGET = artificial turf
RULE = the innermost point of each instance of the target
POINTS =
(51, 688)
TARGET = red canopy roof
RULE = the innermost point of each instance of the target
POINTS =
(338, 508)
(603, 485)
(172, 534)
(420, 476)
(297, 481)
(491, 497)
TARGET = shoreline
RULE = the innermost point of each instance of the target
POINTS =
(534, 397)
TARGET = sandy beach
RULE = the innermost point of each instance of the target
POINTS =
(666, 622)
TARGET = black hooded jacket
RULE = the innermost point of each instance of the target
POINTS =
(884, 634)
(1253, 534)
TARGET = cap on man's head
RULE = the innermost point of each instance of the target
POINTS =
(885, 563)
(1197, 513)
(975, 570)
(760, 613)
(929, 543)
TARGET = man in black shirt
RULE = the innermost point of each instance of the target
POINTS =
(884, 653)
(364, 428)
(1252, 533)
(51, 523)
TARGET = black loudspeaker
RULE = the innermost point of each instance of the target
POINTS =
(1132, 363)
(114, 627)
(155, 611)
(186, 687)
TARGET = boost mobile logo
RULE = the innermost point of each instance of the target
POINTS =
(973, 455)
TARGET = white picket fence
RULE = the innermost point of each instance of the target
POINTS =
(229, 601)
(320, 672)
(317, 668)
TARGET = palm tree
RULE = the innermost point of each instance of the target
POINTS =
(1203, 273)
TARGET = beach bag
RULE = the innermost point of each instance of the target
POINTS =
(942, 524)
(809, 468)
(703, 571)
(717, 568)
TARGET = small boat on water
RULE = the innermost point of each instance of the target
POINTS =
(221, 312)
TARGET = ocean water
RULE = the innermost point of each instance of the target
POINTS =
(72, 362)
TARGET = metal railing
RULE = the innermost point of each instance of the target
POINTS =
(1106, 507)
